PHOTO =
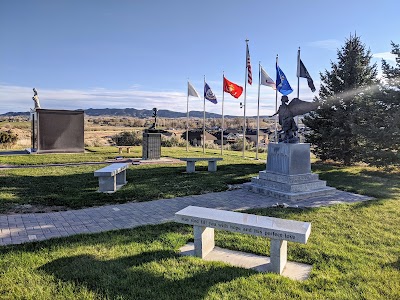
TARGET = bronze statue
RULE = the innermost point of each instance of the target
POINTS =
(155, 119)
(287, 112)
(35, 99)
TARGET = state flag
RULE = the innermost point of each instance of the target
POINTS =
(282, 84)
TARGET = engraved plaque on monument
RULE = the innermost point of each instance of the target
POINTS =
(151, 145)
(58, 131)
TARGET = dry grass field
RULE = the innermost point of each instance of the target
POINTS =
(95, 135)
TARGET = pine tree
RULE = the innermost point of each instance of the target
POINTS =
(381, 130)
(334, 123)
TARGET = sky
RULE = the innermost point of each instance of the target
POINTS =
(141, 54)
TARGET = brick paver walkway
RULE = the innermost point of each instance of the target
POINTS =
(21, 228)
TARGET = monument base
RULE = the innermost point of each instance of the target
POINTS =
(288, 175)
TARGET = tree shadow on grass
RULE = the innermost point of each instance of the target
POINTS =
(144, 183)
(395, 265)
(149, 275)
(375, 183)
(121, 237)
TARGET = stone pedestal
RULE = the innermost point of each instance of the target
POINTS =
(288, 175)
(151, 145)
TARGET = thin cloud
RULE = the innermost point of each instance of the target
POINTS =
(329, 44)
(386, 56)
(19, 99)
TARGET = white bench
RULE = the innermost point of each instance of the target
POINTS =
(204, 220)
(190, 163)
(128, 149)
(112, 177)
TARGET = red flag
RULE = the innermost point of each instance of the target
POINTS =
(232, 88)
(248, 66)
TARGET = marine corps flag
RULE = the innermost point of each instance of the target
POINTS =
(232, 88)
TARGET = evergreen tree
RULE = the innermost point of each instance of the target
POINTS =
(333, 125)
(381, 128)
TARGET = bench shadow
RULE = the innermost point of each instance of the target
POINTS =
(149, 275)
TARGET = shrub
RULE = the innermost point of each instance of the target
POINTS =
(238, 145)
(172, 141)
(126, 138)
(8, 138)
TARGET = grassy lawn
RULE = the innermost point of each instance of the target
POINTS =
(76, 187)
(98, 154)
(354, 249)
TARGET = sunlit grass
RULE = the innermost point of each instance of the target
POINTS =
(353, 249)
(76, 186)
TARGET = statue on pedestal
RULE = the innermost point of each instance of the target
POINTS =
(35, 99)
(287, 112)
(155, 119)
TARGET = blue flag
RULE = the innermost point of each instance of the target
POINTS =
(282, 84)
(209, 95)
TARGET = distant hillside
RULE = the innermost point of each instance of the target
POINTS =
(145, 113)
(15, 114)
(132, 112)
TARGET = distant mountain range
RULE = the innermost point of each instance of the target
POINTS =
(132, 112)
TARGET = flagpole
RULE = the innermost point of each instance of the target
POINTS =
(223, 123)
(244, 103)
(298, 84)
(187, 120)
(298, 73)
(204, 117)
(276, 107)
(258, 107)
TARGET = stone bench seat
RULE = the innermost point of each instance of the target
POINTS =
(190, 163)
(204, 220)
(128, 149)
(112, 177)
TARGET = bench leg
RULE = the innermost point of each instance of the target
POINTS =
(128, 150)
(203, 240)
(121, 178)
(107, 184)
(212, 166)
(120, 150)
(278, 255)
(190, 167)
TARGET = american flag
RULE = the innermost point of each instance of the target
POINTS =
(248, 66)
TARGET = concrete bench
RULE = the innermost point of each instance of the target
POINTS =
(190, 163)
(204, 220)
(128, 149)
(112, 177)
